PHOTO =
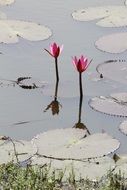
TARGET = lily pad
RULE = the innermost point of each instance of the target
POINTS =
(109, 16)
(94, 169)
(123, 127)
(12, 29)
(30, 83)
(115, 70)
(16, 150)
(74, 144)
(6, 2)
(113, 43)
(115, 104)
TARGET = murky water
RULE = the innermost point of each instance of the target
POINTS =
(22, 113)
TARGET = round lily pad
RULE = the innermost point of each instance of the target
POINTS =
(11, 30)
(6, 2)
(109, 16)
(114, 69)
(123, 127)
(94, 169)
(113, 43)
(115, 104)
(16, 151)
(30, 83)
(74, 144)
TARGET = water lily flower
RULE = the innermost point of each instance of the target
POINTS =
(81, 64)
(55, 51)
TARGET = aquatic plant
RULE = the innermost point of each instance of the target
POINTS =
(55, 51)
(81, 65)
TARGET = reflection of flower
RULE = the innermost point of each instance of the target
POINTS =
(54, 106)
(81, 64)
(55, 50)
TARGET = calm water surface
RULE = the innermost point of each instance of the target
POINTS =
(22, 113)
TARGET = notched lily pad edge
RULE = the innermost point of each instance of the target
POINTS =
(114, 115)
(108, 62)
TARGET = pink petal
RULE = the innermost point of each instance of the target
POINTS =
(61, 48)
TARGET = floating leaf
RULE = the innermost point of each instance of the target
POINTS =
(94, 169)
(121, 166)
(30, 83)
(12, 29)
(115, 104)
(123, 127)
(16, 150)
(6, 2)
(74, 144)
(113, 43)
(111, 16)
(114, 69)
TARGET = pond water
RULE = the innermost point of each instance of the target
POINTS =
(22, 113)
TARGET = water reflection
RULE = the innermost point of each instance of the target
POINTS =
(55, 104)
(79, 124)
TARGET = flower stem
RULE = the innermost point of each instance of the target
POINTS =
(56, 90)
(57, 73)
(80, 84)
(80, 109)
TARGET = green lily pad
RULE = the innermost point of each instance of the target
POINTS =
(115, 70)
(115, 104)
(11, 30)
(74, 144)
(113, 43)
(30, 83)
(109, 16)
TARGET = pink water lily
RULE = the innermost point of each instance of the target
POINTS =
(81, 64)
(55, 50)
